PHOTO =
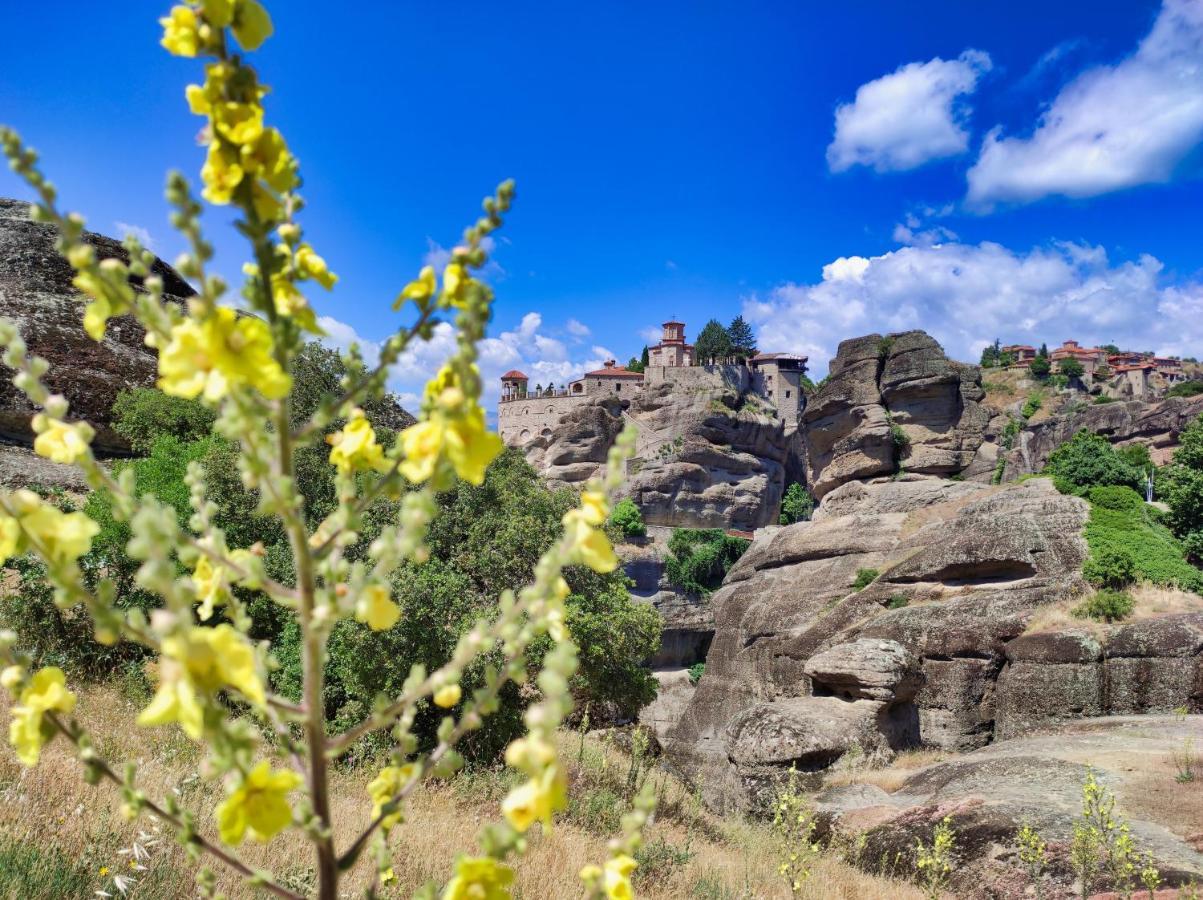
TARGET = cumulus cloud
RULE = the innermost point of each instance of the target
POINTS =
(912, 115)
(143, 235)
(437, 256)
(578, 330)
(1110, 128)
(966, 295)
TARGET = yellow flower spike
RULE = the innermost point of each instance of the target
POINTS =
(590, 547)
(448, 695)
(211, 587)
(291, 302)
(221, 173)
(59, 441)
(455, 277)
(218, 13)
(10, 535)
(384, 787)
(61, 537)
(181, 31)
(239, 123)
(259, 806)
(45, 692)
(422, 288)
(205, 358)
(310, 265)
(479, 878)
(376, 609)
(252, 25)
(594, 507)
(616, 877)
(536, 800)
(174, 701)
(268, 158)
(354, 446)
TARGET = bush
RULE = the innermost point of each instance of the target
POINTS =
(1186, 389)
(1040, 367)
(864, 578)
(1088, 460)
(701, 558)
(897, 602)
(796, 506)
(1105, 606)
(143, 414)
(696, 671)
(1071, 368)
(1127, 543)
(1032, 405)
(1111, 567)
(628, 518)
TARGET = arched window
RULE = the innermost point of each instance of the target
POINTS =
(551, 409)
(525, 436)
(526, 411)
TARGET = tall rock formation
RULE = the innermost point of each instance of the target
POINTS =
(36, 292)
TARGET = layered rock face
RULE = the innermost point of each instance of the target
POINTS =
(36, 293)
(891, 402)
(710, 453)
(803, 668)
(1155, 424)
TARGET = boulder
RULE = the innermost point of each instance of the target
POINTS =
(36, 293)
(576, 449)
(865, 669)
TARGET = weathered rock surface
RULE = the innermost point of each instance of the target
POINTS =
(1036, 778)
(36, 292)
(879, 384)
(1155, 424)
(963, 567)
(688, 622)
(576, 449)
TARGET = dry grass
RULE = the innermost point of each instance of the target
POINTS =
(889, 778)
(1150, 602)
(71, 830)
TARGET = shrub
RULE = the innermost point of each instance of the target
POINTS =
(1040, 367)
(143, 414)
(1127, 543)
(1102, 399)
(628, 518)
(1088, 460)
(1186, 389)
(864, 578)
(1111, 567)
(897, 602)
(1071, 368)
(701, 558)
(1032, 405)
(797, 505)
(696, 671)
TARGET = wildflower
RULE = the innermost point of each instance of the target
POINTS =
(589, 544)
(195, 664)
(354, 447)
(463, 440)
(310, 265)
(211, 587)
(388, 876)
(59, 537)
(420, 289)
(10, 534)
(268, 158)
(45, 692)
(11, 677)
(206, 357)
(109, 291)
(455, 280)
(448, 695)
(221, 173)
(376, 609)
(181, 32)
(616, 877)
(104, 870)
(479, 878)
(259, 805)
(238, 123)
(531, 755)
(218, 13)
(387, 785)
(59, 441)
(252, 25)
(536, 800)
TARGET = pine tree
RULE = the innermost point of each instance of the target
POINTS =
(644, 359)
(743, 342)
(713, 343)
(1043, 351)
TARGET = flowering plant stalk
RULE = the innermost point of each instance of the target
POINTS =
(238, 361)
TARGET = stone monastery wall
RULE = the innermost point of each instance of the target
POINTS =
(528, 417)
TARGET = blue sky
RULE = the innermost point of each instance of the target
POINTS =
(1022, 170)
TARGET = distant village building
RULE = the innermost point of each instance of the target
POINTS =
(1022, 352)
(1091, 358)
(524, 413)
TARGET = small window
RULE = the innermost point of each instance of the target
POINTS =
(618, 387)
(787, 395)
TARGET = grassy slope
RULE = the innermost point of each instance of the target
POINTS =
(56, 833)
(1121, 521)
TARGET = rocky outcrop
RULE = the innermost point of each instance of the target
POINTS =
(1035, 779)
(36, 293)
(1155, 424)
(914, 656)
(891, 403)
(576, 449)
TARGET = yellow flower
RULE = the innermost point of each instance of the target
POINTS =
(310, 265)
(45, 692)
(10, 534)
(211, 587)
(354, 447)
(590, 546)
(388, 876)
(268, 158)
(219, 13)
(238, 123)
(479, 878)
(252, 24)
(616, 877)
(536, 800)
(259, 805)
(448, 695)
(420, 289)
(198, 663)
(59, 441)
(181, 35)
(104, 870)
(384, 787)
(463, 440)
(60, 537)
(594, 508)
(455, 282)
(291, 302)
(11, 677)
(206, 357)
(221, 173)
(376, 609)
(110, 296)
(531, 755)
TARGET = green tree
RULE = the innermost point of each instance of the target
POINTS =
(797, 505)
(1040, 367)
(644, 359)
(1043, 351)
(1110, 349)
(143, 414)
(1180, 484)
(634, 365)
(627, 517)
(701, 558)
(712, 343)
(991, 354)
(1088, 460)
(743, 341)
(1071, 368)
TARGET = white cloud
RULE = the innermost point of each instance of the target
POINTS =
(143, 235)
(341, 336)
(912, 115)
(577, 329)
(911, 231)
(651, 334)
(437, 256)
(966, 295)
(1112, 127)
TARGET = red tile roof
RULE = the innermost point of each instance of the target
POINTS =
(514, 373)
(614, 372)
